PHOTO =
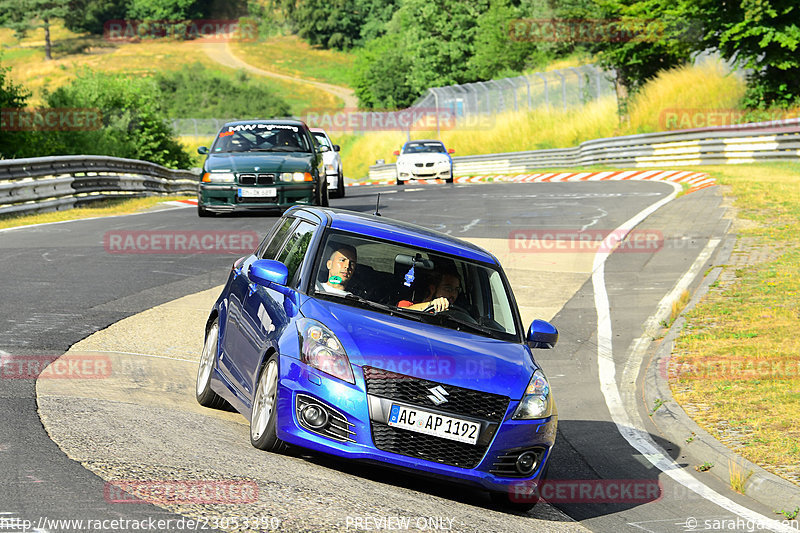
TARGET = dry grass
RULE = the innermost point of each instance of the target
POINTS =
(737, 477)
(72, 52)
(101, 208)
(509, 132)
(750, 320)
(696, 91)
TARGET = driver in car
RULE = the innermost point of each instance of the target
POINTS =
(441, 294)
(341, 264)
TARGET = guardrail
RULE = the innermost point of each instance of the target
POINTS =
(746, 143)
(56, 183)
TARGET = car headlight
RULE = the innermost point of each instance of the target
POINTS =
(320, 349)
(536, 402)
(330, 168)
(297, 176)
(219, 177)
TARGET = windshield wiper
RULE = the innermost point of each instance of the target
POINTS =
(445, 317)
(392, 310)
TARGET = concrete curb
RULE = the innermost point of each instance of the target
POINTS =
(762, 486)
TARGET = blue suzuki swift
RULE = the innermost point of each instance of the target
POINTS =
(378, 340)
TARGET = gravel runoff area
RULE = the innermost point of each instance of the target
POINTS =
(141, 425)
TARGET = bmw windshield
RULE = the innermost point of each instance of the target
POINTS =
(261, 137)
(419, 148)
(416, 283)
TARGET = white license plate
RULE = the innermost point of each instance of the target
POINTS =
(446, 427)
(257, 193)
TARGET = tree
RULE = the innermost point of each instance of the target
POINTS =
(636, 39)
(25, 15)
(12, 96)
(763, 35)
(133, 118)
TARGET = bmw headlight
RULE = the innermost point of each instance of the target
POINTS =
(536, 402)
(320, 349)
(219, 177)
(296, 176)
(330, 168)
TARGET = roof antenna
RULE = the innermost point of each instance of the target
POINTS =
(377, 206)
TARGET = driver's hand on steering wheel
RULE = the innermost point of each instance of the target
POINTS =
(440, 304)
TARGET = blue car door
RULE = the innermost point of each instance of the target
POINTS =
(235, 343)
(264, 315)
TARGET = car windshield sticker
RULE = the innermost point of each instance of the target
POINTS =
(262, 126)
(225, 133)
(409, 278)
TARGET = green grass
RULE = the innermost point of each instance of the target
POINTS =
(101, 208)
(753, 318)
(290, 55)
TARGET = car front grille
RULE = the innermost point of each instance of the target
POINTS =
(460, 401)
(426, 447)
(256, 179)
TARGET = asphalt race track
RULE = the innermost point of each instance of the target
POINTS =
(63, 282)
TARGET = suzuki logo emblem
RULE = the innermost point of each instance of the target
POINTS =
(437, 395)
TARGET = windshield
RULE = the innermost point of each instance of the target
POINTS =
(402, 280)
(321, 139)
(261, 137)
(417, 148)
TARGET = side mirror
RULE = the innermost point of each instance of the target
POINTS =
(542, 334)
(269, 273)
(202, 150)
(396, 152)
(336, 148)
(451, 151)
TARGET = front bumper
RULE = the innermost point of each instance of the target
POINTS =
(224, 198)
(424, 173)
(298, 380)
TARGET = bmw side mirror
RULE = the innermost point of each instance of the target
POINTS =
(336, 148)
(451, 151)
(542, 334)
(269, 273)
(396, 152)
(202, 150)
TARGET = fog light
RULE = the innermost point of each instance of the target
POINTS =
(526, 463)
(315, 416)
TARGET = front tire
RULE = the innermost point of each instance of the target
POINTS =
(340, 186)
(202, 212)
(322, 194)
(264, 415)
(205, 396)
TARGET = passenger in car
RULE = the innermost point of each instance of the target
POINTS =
(341, 264)
(442, 291)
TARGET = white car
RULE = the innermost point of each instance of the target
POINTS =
(426, 159)
(332, 161)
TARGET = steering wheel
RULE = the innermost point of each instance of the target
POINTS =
(455, 311)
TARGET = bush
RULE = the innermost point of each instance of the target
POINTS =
(132, 117)
(197, 92)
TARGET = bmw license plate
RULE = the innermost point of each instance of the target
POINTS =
(251, 192)
(446, 427)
